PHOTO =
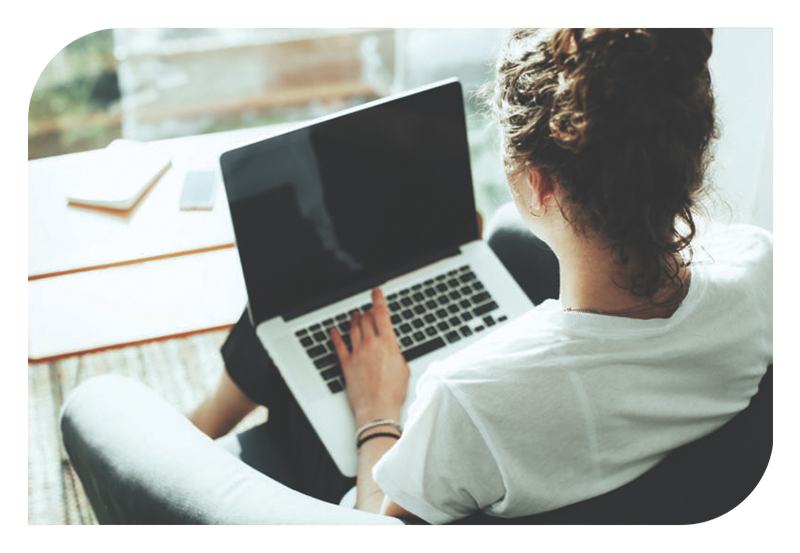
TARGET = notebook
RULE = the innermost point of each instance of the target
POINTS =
(122, 177)
(378, 195)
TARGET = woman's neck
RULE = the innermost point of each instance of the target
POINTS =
(591, 280)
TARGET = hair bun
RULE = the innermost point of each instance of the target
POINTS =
(679, 52)
(686, 51)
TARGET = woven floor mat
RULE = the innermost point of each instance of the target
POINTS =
(183, 371)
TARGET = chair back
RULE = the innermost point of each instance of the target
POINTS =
(695, 483)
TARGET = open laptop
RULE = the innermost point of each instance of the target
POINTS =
(378, 195)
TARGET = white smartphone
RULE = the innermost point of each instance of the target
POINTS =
(198, 190)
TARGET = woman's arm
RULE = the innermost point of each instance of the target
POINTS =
(377, 379)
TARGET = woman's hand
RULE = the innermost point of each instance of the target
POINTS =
(375, 371)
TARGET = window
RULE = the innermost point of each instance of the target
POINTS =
(149, 84)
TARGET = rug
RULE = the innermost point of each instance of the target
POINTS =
(183, 371)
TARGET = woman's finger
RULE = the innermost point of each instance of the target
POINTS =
(368, 330)
(355, 329)
(338, 344)
(383, 321)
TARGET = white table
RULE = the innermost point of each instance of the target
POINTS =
(98, 279)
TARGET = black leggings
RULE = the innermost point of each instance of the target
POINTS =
(286, 448)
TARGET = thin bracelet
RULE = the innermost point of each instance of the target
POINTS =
(378, 423)
(376, 435)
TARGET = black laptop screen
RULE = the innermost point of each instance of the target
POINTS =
(339, 206)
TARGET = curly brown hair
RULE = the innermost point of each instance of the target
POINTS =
(622, 120)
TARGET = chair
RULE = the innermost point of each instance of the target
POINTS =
(141, 461)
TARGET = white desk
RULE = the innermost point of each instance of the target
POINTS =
(98, 279)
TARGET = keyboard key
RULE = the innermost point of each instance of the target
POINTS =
(467, 277)
(406, 301)
(423, 349)
(313, 328)
(442, 326)
(394, 306)
(396, 319)
(336, 386)
(466, 316)
(391, 296)
(453, 308)
(417, 323)
(430, 331)
(326, 361)
(418, 336)
(489, 320)
(341, 317)
(480, 298)
(441, 313)
(408, 314)
(418, 297)
(327, 322)
(301, 332)
(306, 342)
(430, 292)
(485, 308)
(405, 328)
(406, 341)
(430, 304)
(419, 309)
(454, 321)
(465, 331)
(316, 351)
(452, 336)
(429, 318)
(333, 372)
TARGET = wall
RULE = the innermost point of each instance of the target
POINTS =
(741, 67)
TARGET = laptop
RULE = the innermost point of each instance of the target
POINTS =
(377, 195)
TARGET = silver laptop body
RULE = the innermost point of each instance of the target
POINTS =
(379, 195)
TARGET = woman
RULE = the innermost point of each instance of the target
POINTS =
(654, 341)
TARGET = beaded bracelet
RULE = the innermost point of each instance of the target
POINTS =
(376, 435)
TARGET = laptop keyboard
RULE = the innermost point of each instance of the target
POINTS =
(426, 316)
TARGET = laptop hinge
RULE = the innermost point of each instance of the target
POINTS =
(366, 284)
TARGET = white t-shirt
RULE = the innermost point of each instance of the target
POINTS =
(557, 407)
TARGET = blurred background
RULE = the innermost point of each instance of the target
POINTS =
(150, 84)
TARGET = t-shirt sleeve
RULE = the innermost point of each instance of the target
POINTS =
(441, 469)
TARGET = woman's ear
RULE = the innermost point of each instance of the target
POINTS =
(540, 188)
